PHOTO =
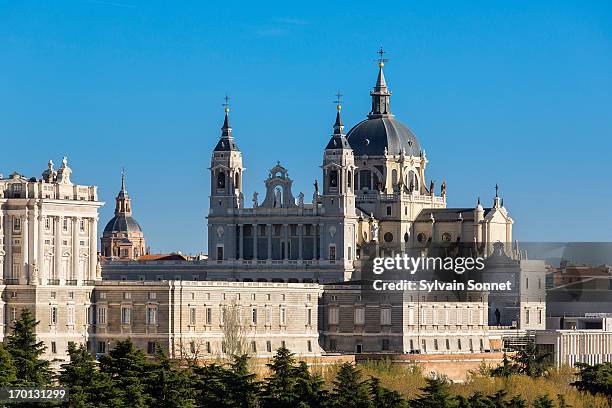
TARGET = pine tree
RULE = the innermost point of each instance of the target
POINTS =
(170, 387)
(531, 361)
(561, 401)
(242, 388)
(8, 372)
(497, 399)
(543, 401)
(506, 369)
(595, 379)
(311, 393)
(87, 386)
(130, 371)
(26, 351)
(435, 395)
(516, 402)
(212, 386)
(383, 397)
(349, 390)
(280, 387)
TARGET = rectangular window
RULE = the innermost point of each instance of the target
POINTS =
(219, 253)
(209, 315)
(436, 344)
(254, 315)
(424, 346)
(332, 253)
(101, 347)
(388, 210)
(269, 346)
(192, 347)
(282, 316)
(540, 316)
(17, 224)
(411, 344)
(101, 315)
(151, 315)
(360, 316)
(126, 315)
(127, 295)
(254, 347)
(385, 316)
(65, 224)
(208, 348)
(458, 344)
(332, 344)
(385, 344)
(192, 316)
(151, 347)
(308, 317)
(71, 314)
(309, 346)
(54, 315)
(447, 344)
(53, 348)
(152, 295)
(47, 223)
(527, 316)
(471, 345)
(334, 315)
(88, 315)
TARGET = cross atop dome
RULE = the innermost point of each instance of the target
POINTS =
(380, 94)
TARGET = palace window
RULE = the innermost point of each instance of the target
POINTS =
(208, 315)
(334, 315)
(53, 318)
(17, 224)
(360, 316)
(282, 316)
(152, 315)
(333, 178)
(126, 315)
(332, 253)
(192, 316)
(101, 315)
(385, 316)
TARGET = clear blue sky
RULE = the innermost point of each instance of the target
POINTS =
(516, 93)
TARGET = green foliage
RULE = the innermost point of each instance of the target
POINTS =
(242, 388)
(349, 390)
(8, 372)
(436, 394)
(506, 369)
(595, 379)
(170, 387)
(382, 397)
(543, 401)
(25, 351)
(531, 361)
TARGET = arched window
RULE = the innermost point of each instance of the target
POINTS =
(365, 180)
(412, 180)
(333, 178)
(349, 179)
(394, 177)
(221, 180)
(237, 180)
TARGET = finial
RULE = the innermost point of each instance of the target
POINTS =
(478, 200)
(381, 60)
(496, 190)
(226, 104)
(65, 161)
(338, 100)
(122, 178)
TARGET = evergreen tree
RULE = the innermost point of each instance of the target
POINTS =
(497, 399)
(383, 397)
(506, 369)
(280, 388)
(170, 387)
(561, 401)
(516, 402)
(130, 371)
(595, 379)
(242, 388)
(25, 351)
(8, 372)
(311, 393)
(349, 390)
(87, 386)
(212, 386)
(543, 401)
(531, 361)
(435, 395)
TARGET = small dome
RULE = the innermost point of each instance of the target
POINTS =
(371, 137)
(122, 223)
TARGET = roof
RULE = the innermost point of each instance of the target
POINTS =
(122, 223)
(447, 214)
(162, 257)
(375, 134)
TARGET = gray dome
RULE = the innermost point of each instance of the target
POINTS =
(122, 223)
(371, 137)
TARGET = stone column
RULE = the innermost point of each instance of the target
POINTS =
(58, 249)
(75, 250)
(93, 251)
(315, 252)
(254, 242)
(286, 254)
(300, 233)
(269, 227)
(8, 244)
(40, 251)
(25, 228)
(241, 242)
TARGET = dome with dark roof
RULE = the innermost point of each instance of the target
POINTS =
(371, 137)
(122, 223)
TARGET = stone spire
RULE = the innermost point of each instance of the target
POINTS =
(226, 142)
(380, 94)
(338, 139)
(338, 125)
(123, 203)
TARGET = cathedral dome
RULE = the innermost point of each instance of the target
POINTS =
(376, 134)
(122, 223)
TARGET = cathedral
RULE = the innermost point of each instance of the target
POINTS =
(294, 270)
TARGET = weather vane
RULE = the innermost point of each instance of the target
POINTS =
(226, 103)
(338, 100)
(381, 59)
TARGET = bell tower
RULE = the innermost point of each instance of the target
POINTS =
(226, 171)
(339, 228)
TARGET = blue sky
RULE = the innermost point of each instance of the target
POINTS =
(516, 93)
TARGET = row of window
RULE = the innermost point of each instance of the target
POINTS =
(432, 345)
(439, 316)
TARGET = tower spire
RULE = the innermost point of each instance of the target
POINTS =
(226, 129)
(338, 125)
(226, 142)
(380, 94)
(123, 205)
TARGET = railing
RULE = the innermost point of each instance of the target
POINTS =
(89, 282)
(71, 282)
(53, 281)
(11, 281)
